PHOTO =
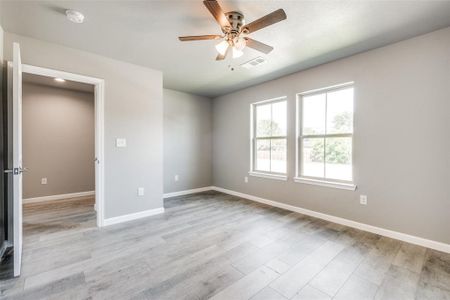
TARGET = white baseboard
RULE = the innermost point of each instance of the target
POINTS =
(134, 216)
(58, 197)
(187, 192)
(373, 229)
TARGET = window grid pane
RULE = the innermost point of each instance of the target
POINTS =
(313, 157)
(279, 119)
(278, 155)
(270, 121)
(313, 115)
(340, 111)
(262, 161)
(263, 120)
(338, 154)
(327, 153)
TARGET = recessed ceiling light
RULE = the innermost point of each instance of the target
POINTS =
(59, 80)
(74, 16)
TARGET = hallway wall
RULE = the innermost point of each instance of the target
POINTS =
(58, 140)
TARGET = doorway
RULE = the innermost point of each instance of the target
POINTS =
(84, 83)
(98, 91)
(58, 152)
(15, 168)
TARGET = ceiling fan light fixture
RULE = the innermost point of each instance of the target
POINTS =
(74, 16)
(240, 43)
(222, 47)
(237, 53)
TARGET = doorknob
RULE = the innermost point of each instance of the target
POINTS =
(16, 171)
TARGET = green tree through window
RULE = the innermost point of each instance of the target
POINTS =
(268, 128)
(337, 150)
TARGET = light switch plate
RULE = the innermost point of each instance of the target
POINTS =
(246, 179)
(121, 142)
(141, 191)
(177, 177)
(44, 180)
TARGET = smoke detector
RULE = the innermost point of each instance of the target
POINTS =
(74, 16)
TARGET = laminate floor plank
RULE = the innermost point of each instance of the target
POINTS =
(291, 282)
(336, 273)
(357, 288)
(434, 282)
(411, 257)
(268, 293)
(248, 286)
(399, 284)
(310, 293)
(376, 264)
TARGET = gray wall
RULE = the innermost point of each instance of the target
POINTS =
(58, 140)
(187, 141)
(401, 138)
(133, 110)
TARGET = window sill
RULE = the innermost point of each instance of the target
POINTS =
(268, 175)
(331, 184)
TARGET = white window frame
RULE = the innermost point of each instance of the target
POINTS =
(321, 181)
(253, 139)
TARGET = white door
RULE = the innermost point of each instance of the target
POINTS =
(17, 157)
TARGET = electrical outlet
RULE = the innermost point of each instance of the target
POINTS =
(121, 142)
(44, 180)
(363, 199)
(246, 179)
(177, 178)
(141, 191)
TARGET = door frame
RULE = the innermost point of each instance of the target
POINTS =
(99, 128)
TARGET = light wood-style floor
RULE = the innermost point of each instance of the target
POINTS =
(213, 245)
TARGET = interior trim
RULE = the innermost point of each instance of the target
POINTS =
(268, 175)
(58, 197)
(133, 216)
(365, 227)
(187, 192)
(330, 184)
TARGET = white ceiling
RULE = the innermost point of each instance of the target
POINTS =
(145, 33)
(49, 81)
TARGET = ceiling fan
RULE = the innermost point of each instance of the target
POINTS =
(235, 31)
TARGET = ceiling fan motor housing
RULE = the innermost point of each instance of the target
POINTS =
(236, 20)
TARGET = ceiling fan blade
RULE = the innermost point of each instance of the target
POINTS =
(272, 18)
(217, 12)
(266, 49)
(222, 57)
(199, 37)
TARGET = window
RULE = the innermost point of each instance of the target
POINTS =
(325, 137)
(269, 138)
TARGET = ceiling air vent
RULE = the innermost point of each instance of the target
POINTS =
(254, 62)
